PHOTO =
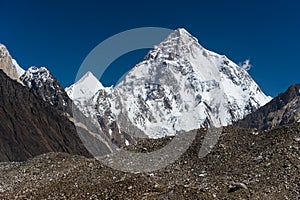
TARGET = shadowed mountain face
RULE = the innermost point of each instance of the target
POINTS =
(284, 109)
(30, 126)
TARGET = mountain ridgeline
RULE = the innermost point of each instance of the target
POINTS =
(30, 126)
(36, 116)
(283, 109)
(179, 86)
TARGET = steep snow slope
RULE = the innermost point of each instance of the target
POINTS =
(86, 87)
(20, 70)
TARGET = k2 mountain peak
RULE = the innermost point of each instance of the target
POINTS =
(178, 86)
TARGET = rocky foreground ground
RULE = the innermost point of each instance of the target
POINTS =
(245, 164)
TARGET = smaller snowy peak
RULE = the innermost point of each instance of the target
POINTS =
(41, 80)
(35, 77)
(84, 88)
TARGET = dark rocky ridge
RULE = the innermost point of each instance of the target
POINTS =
(244, 164)
(30, 126)
(283, 109)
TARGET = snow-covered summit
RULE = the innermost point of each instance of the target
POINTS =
(36, 76)
(94, 101)
(41, 80)
(84, 88)
(179, 86)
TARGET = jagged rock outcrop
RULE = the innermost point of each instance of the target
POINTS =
(283, 109)
(9, 65)
(48, 87)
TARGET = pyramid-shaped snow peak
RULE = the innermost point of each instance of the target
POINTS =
(84, 88)
(179, 86)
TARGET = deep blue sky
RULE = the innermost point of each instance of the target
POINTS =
(60, 34)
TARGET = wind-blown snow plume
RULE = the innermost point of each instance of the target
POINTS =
(246, 65)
